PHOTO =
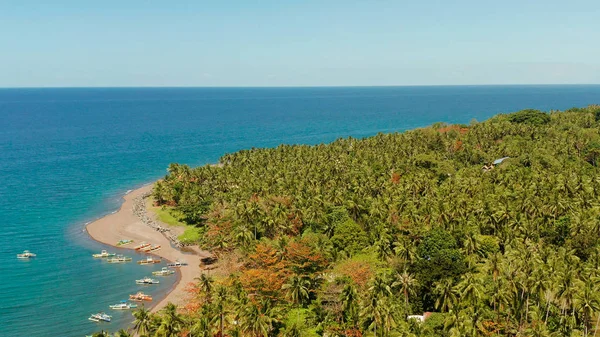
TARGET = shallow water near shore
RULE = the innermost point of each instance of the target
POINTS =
(67, 157)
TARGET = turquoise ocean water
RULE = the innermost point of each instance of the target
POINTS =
(67, 156)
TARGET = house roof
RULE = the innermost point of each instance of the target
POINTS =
(499, 161)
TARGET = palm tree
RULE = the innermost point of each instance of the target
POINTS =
(206, 285)
(471, 290)
(257, 319)
(171, 322)
(220, 306)
(446, 295)
(349, 298)
(200, 327)
(406, 249)
(587, 303)
(142, 325)
(101, 334)
(293, 330)
(297, 289)
(383, 243)
(373, 309)
(122, 333)
(407, 284)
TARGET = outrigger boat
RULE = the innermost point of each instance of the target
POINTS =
(140, 297)
(141, 246)
(124, 242)
(26, 255)
(177, 264)
(123, 306)
(104, 254)
(100, 317)
(149, 260)
(150, 248)
(146, 249)
(147, 280)
(119, 259)
(163, 272)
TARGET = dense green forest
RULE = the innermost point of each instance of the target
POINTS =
(352, 237)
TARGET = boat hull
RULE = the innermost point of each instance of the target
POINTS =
(141, 299)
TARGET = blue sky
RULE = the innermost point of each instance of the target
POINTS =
(298, 43)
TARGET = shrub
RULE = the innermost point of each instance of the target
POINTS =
(530, 116)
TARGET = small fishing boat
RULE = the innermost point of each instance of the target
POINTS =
(163, 272)
(123, 306)
(154, 248)
(26, 255)
(146, 249)
(100, 317)
(104, 254)
(141, 246)
(140, 297)
(147, 280)
(149, 260)
(119, 259)
(177, 264)
(124, 242)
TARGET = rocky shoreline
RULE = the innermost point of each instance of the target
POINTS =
(139, 209)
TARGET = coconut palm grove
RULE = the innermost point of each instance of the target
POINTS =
(486, 229)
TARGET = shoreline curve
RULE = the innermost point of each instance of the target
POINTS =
(124, 224)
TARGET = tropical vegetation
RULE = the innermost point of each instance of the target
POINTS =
(353, 237)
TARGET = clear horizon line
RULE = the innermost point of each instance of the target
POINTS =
(299, 86)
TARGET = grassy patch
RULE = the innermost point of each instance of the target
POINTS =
(191, 234)
(167, 215)
(171, 217)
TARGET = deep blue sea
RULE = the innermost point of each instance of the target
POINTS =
(67, 156)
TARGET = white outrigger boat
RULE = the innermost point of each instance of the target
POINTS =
(26, 255)
(104, 254)
(119, 259)
(100, 317)
(123, 306)
(177, 264)
(147, 280)
(163, 272)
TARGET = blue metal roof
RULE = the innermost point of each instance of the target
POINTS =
(499, 161)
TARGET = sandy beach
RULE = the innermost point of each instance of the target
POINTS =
(124, 224)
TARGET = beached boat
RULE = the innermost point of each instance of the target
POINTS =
(149, 260)
(119, 259)
(123, 306)
(154, 248)
(147, 280)
(104, 254)
(177, 264)
(146, 249)
(26, 255)
(124, 242)
(140, 297)
(163, 272)
(141, 246)
(150, 248)
(100, 317)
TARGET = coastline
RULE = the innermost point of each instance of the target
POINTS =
(124, 224)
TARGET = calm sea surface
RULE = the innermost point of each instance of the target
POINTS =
(67, 156)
